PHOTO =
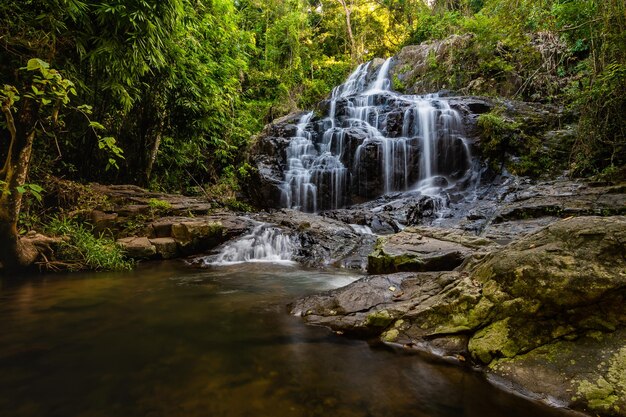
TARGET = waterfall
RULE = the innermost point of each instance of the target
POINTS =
(298, 191)
(382, 82)
(264, 243)
(373, 141)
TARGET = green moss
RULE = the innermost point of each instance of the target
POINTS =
(159, 205)
(617, 371)
(480, 312)
(467, 315)
(390, 335)
(599, 395)
(553, 351)
(451, 328)
(595, 334)
(493, 341)
(380, 318)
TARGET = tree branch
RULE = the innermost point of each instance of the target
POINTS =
(565, 29)
(6, 109)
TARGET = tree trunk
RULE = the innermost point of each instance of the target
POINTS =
(13, 253)
(154, 148)
(347, 10)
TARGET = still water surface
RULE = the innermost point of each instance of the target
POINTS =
(167, 341)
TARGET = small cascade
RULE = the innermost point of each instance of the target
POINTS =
(372, 142)
(382, 82)
(264, 244)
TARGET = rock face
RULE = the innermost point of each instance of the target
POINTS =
(544, 314)
(152, 225)
(414, 62)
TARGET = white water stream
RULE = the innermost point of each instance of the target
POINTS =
(265, 243)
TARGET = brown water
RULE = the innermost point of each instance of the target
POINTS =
(170, 341)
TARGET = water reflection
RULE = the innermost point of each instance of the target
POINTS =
(166, 340)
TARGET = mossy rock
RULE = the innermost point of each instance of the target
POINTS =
(493, 341)
(416, 250)
(381, 318)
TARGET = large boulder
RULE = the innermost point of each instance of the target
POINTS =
(423, 249)
(544, 315)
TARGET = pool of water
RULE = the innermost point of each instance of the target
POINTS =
(168, 340)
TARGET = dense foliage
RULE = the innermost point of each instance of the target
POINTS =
(180, 86)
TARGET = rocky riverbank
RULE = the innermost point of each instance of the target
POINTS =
(544, 315)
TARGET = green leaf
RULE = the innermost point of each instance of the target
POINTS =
(97, 125)
(36, 64)
(20, 190)
(36, 195)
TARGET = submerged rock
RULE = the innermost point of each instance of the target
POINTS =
(550, 304)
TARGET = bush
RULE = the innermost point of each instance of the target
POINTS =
(82, 250)
(159, 206)
(601, 144)
(497, 135)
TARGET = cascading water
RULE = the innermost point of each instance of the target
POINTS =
(373, 141)
(264, 243)
(298, 190)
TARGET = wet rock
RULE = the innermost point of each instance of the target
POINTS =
(425, 208)
(368, 176)
(379, 222)
(563, 199)
(348, 308)
(395, 121)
